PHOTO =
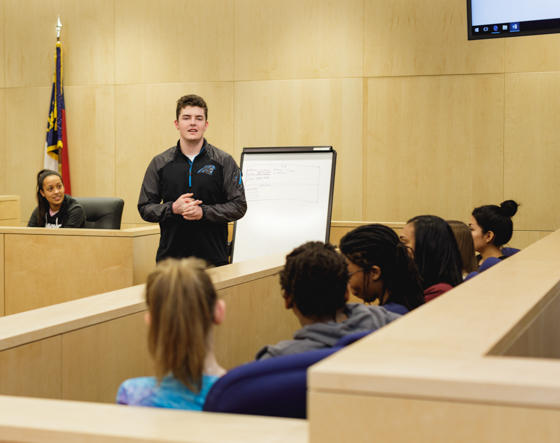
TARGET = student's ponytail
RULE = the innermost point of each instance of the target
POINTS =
(181, 301)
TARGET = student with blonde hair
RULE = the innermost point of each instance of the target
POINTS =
(182, 307)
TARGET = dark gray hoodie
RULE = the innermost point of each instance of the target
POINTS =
(361, 318)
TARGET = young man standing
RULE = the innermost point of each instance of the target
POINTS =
(193, 190)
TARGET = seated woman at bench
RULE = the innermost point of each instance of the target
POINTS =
(314, 284)
(436, 254)
(182, 306)
(491, 228)
(381, 268)
(54, 208)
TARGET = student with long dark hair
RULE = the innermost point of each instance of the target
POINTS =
(491, 228)
(54, 208)
(182, 307)
(381, 268)
(436, 254)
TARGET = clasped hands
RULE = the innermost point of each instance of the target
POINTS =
(188, 207)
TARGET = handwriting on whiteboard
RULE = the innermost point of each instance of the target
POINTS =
(282, 182)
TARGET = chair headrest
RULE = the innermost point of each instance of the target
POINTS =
(102, 212)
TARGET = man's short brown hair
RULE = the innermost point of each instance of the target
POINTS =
(192, 100)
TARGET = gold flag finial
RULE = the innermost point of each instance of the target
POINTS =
(58, 26)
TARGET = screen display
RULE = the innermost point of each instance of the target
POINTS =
(512, 18)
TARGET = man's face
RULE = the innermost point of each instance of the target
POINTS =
(191, 124)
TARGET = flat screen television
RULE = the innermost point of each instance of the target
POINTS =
(512, 18)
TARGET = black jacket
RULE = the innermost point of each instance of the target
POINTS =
(70, 215)
(214, 178)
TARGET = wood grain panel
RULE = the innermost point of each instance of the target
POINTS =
(255, 316)
(355, 418)
(37, 269)
(427, 37)
(87, 37)
(308, 113)
(30, 39)
(538, 340)
(27, 420)
(173, 41)
(532, 53)
(2, 289)
(91, 135)
(3, 150)
(25, 143)
(340, 229)
(144, 257)
(2, 55)
(9, 208)
(144, 128)
(432, 146)
(32, 370)
(531, 152)
(97, 359)
(523, 239)
(297, 39)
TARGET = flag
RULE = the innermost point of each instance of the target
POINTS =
(56, 147)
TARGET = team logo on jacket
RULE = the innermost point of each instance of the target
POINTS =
(208, 169)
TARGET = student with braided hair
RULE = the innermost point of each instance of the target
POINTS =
(381, 268)
(182, 307)
(314, 283)
(491, 228)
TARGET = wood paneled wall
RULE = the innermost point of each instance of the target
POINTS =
(423, 120)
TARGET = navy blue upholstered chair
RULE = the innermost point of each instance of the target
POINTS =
(508, 252)
(351, 338)
(275, 387)
(488, 263)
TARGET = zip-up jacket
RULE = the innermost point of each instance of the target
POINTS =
(215, 179)
(70, 215)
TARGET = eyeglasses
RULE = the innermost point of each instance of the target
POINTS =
(350, 274)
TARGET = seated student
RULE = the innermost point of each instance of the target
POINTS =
(465, 242)
(54, 208)
(314, 282)
(436, 253)
(381, 268)
(491, 228)
(182, 306)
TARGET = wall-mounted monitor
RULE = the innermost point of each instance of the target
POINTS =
(512, 18)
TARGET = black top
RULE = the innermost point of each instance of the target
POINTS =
(212, 177)
(70, 215)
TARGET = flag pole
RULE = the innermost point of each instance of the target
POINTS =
(58, 28)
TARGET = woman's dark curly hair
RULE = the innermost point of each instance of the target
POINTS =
(316, 278)
(378, 245)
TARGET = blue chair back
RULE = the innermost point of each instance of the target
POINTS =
(351, 338)
(488, 263)
(275, 387)
(396, 308)
(508, 252)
